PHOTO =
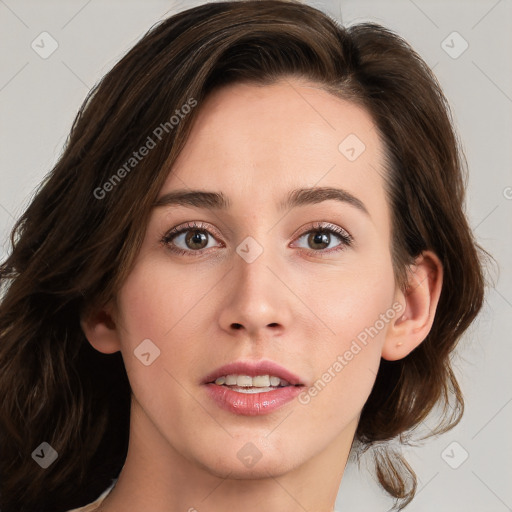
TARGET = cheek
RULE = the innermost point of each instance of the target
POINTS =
(155, 299)
(157, 304)
(346, 301)
(355, 310)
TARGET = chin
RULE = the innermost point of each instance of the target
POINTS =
(266, 467)
(246, 460)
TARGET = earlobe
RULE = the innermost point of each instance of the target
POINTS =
(101, 331)
(421, 299)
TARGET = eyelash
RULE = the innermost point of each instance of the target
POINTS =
(320, 227)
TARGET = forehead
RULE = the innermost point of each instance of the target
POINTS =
(255, 143)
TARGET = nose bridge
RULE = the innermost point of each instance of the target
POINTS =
(252, 268)
(257, 296)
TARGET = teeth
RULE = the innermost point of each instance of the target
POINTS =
(245, 381)
(230, 380)
(252, 390)
(274, 381)
(261, 381)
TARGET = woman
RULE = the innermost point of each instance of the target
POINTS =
(245, 266)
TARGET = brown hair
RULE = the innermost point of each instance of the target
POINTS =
(74, 246)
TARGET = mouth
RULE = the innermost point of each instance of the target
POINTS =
(252, 374)
(252, 388)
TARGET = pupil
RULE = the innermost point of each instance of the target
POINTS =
(321, 238)
(196, 237)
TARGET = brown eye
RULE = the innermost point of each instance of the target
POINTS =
(196, 239)
(188, 239)
(321, 236)
(319, 239)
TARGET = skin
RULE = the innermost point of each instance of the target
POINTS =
(255, 143)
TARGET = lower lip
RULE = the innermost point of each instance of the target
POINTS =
(252, 404)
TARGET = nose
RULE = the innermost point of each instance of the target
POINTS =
(258, 302)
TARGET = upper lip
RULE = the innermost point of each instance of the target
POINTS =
(253, 368)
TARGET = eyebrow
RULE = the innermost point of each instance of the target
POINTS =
(295, 198)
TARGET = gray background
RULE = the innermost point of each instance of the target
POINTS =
(39, 98)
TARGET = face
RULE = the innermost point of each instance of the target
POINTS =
(308, 287)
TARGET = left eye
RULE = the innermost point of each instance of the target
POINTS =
(321, 236)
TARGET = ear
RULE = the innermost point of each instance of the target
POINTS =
(101, 330)
(420, 301)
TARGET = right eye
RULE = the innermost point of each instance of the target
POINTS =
(191, 236)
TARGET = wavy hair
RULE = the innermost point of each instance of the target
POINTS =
(75, 243)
